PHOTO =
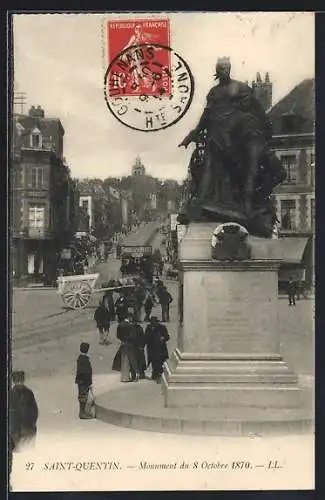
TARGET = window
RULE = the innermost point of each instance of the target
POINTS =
(288, 214)
(36, 138)
(85, 205)
(289, 163)
(36, 220)
(36, 141)
(37, 177)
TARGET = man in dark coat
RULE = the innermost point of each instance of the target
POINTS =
(101, 317)
(156, 339)
(83, 379)
(23, 414)
(139, 342)
(165, 300)
(125, 359)
(122, 307)
(292, 290)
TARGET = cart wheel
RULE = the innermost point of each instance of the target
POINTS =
(77, 296)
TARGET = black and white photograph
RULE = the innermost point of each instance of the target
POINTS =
(162, 240)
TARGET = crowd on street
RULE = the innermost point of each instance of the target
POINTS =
(129, 301)
(139, 349)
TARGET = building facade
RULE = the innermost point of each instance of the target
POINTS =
(85, 214)
(293, 141)
(43, 200)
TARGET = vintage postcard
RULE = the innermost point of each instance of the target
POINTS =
(162, 170)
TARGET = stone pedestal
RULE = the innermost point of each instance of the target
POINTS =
(228, 346)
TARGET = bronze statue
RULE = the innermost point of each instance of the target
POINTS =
(232, 170)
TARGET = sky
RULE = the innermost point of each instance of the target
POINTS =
(59, 64)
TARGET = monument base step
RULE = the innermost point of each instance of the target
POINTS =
(141, 406)
(263, 381)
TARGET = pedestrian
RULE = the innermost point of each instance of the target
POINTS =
(165, 300)
(125, 359)
(292, 288)
(139, 296)
(102, 319)
(156, 339)
(23, 414)
(121, 307)
(139, 342)
(123, 268)
(148, 305)
(84, 380)
(109, 300)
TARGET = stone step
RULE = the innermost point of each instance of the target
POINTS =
(141, 406)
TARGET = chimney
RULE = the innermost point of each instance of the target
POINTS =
(263, 90)
(36, 112)
(268, 91)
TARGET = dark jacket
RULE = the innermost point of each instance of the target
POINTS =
(84, 371)
(121, 304)
(125, 331)
(292, 287)
(138, 337)
(156, 338)
(126, 334)
(165, 298)
(23, 414)
(139, 342)
(101, 317)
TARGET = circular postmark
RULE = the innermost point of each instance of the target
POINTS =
(148, 87)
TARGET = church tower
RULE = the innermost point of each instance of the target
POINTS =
(138, 168)
(263, 90)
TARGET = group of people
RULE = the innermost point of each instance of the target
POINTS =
(144, 266)
(138, 350)
(138, 300)
(141, 348)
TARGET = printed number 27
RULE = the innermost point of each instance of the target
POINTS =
(29, 465)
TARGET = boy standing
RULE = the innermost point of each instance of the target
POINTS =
(83, 379)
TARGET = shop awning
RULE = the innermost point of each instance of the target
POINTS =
(292, 249)
(289, 250)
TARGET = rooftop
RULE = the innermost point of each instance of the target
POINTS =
(299, 102)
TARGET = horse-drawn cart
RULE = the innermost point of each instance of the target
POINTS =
(76, 291)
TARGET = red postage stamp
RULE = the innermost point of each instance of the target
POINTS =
(133, 74)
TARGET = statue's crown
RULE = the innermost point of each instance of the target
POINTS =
(223, 60)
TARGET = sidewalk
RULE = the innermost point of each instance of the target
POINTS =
(64, 439)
